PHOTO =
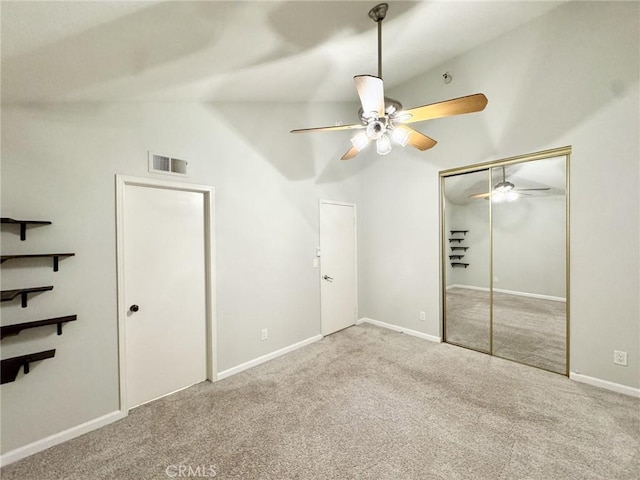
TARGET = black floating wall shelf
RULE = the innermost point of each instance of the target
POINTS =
(56, 257)
(8, 295)
(17, 328)
(11, 366)
(455, 243)
(23, 225)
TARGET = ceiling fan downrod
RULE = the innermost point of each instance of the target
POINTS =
(378, 14)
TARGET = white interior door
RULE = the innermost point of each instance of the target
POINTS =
(338, 282)
(164, 291)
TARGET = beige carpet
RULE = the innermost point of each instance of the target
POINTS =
(365, 403)
(527, 330)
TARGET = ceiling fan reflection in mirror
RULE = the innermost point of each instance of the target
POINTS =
(505, 191)
(383, 120)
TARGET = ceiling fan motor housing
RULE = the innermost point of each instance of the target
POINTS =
(504, 186)
(391, 106)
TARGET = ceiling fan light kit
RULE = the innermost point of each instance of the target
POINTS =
(360, 141)
(383, 145)
(384, 120)
(400, 136)
(504, 194)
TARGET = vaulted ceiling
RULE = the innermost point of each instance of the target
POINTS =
(269, 51)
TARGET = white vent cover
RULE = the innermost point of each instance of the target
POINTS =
(168, 165)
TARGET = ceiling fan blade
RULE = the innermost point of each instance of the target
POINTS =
(456, 106)
(371, 92)
(417, 139)
(352, 152)
(480, 195)
(532, 189)
(328, 129)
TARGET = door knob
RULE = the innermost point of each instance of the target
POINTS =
(134, 308)
(328, 278)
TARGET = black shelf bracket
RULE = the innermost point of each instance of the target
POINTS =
(8, 295)
(15, 329)
(11, 366)
(23, 225)
(464, 232)
(459, 264)
(459, 248)
(455, 257)
(56, 257)
(456, 240)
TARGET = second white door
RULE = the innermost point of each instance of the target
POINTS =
(165, 279)
(338, 266)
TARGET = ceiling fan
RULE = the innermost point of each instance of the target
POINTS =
(382, 119)
(505, 191)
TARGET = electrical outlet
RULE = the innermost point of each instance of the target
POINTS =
(620, 358)
(265, 334)
(423, 316)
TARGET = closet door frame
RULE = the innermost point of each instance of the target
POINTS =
(541, 155)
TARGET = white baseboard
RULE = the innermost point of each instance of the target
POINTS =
(468, 287)
(267, 357)
(40, 445)
(598, 382)
(396, 328)
(531, 295)
(512, 292)
(595, 382)
(55, 439)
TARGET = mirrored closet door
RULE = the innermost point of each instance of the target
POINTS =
(504, 258)
(467, 261)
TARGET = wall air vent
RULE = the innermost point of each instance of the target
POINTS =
(167, 165)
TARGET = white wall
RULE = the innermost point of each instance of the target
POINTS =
(398, 242)
(567, 78)
(59, 163)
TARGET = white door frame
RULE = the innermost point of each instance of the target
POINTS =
(355, 237)
(210, 280)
